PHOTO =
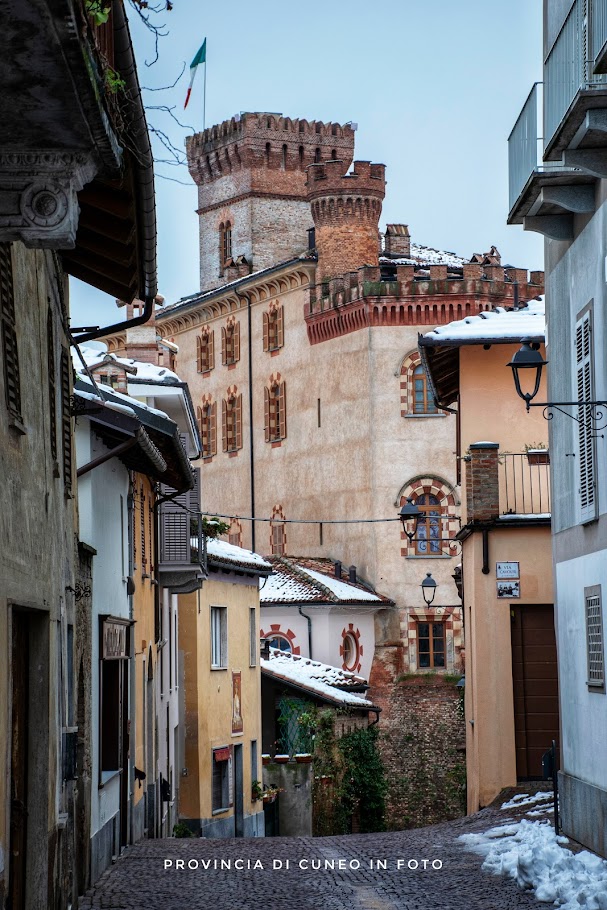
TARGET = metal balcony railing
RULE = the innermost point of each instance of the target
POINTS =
(524, 144)
(598, 26)
(524, 483)
(567, 69)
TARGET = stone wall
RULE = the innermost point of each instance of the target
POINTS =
(422, 738)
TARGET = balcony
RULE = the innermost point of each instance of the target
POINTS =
(182, 557)
(575, 110)
(524, 484)
(543, 197)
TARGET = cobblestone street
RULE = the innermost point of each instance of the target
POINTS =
(139, 879)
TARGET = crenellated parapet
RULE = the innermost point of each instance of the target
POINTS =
(413, 296)
(268, 141)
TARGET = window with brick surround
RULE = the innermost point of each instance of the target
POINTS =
(278, 532)
(431, 645)
(235, 533)
(275, 410)
(595, 646)
(225, 243)
(207, 426)
(230, 343)
(273, 331)
(10, 353)
(232, 421)
(438, 503)
(205, 350)
(416, 396)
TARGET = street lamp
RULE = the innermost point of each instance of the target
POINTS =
(410, 512)
(428, 587)
(529, 358)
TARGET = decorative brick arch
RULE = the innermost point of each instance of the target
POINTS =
(353, 635)
(451, 617)
(275, 631)
(412, 376)
(235, 532)
(447, 501)
(206, 415)
(278, 531)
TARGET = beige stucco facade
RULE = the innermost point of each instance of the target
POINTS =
(217, 716)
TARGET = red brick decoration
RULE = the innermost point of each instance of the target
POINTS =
(278, 531)
(275, 631)
(454, 634)
(353, 635)
(447, 502)
(235, 533)
(207, 426)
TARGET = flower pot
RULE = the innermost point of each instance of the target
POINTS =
(266, 759)
(270, 798)
(538, 456)
(303, 758)
(281, 759)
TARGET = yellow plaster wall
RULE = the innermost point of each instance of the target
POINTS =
(208, 693)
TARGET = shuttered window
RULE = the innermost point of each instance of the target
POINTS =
(52, 384)
(585, 387)
(230, 344)
(275, 412)
(273, 331)
(66, 420)
(10, 353)
(207, 423)
(205, 352)
(595, 646)
(232, 423)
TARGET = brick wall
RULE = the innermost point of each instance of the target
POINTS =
(482, 482)
(422, 737)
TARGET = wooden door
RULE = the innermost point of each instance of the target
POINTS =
(535, 683)
(19, 764)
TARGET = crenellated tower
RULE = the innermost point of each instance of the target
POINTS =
(346, 209)
(252, 194)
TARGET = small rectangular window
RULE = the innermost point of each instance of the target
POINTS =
(254, 766)
(431, 645)
(594, 638)
(253, 637)
(219, 637)
(221, 783)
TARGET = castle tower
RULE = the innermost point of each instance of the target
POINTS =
(252, 195)
(346, 210)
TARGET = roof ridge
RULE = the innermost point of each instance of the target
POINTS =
(301, 573)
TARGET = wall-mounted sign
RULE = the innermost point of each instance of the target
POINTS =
(508, 589)
(507, 570)
(114, 641)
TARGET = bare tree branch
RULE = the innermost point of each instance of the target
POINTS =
(163, 88)
(169, 110)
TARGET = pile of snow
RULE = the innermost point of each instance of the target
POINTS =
(533, 855)
(527, 799)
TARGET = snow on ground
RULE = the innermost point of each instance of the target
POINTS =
(532, 854)
(526, 799)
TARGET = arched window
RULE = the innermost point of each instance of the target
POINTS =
(284, 638)
(416, 396)
(225, 244)
(205, 350)
(350, 649)
(232, 421)
(275, 409)
(207, 425)
(230, 342)
(235, 533)
(273, 331)
(437, 501)
(278, 533)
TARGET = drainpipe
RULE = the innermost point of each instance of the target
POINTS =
(377, 712)
(305, 616)
(130, 511)
(247, 297)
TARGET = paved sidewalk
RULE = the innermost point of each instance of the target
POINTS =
(140, 881)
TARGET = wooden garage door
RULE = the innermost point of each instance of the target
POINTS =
(535, 681)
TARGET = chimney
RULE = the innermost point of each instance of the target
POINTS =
(352, 575)
(482, 482)
(398, 240)
(337, 568)
(141, 340)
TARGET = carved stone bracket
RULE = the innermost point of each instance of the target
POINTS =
(38, 196)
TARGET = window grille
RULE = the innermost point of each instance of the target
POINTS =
(586, 440)
(594, 640)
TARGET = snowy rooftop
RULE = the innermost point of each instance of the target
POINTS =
(301, 579)
(116, 400)
(426, 255)
(227, 553)
(148, 372)
(498, 325)
(329, 683)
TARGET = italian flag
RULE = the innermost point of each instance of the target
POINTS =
(201, 57)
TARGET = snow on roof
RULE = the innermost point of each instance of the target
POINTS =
(148, 372)
(524, 516)
(426, 255)
(300, 579)
(227, 552)
(498, 325)
(536, 858)
(124, 402)
(321, 679)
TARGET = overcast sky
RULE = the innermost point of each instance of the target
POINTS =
(434, 86)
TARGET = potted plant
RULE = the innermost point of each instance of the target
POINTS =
(537, 453)
(266, 758)
(303, 758)
(281, 759)
(270, 793)
(256, 791)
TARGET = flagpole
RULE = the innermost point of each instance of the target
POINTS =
(204, 95)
